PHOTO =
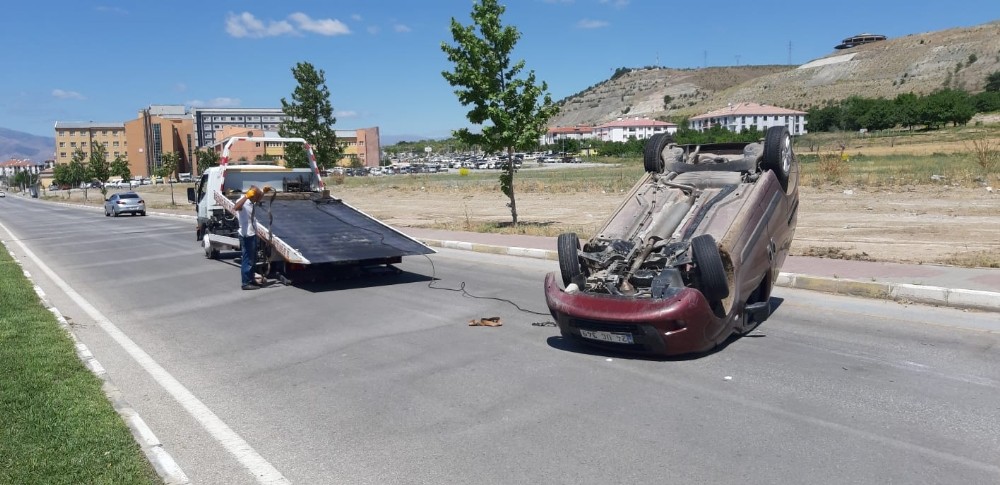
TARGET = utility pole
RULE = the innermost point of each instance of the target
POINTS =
(737, 60)
(704, 58)
(789, 53)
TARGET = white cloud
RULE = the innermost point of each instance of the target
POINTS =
(346, 114)
(214, 103)
(62, 94)
(115, 10)
(372, 30)
(319, 26)
(401, 28)
(246, 25)
(591, 24)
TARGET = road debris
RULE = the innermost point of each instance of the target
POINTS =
(486, 322)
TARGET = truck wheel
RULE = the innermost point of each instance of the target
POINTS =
(711, 272)
(652, 154)
(778, 154)
(568, 246)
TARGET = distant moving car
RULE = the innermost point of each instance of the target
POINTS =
(3, 194)
(124, 202)
(690, 256)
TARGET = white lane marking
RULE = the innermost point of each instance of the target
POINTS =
(263, 471)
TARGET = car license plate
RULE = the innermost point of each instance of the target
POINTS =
(614, 337)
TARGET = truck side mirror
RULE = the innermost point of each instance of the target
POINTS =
(191, 195)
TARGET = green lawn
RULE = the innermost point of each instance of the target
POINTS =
(56, 425)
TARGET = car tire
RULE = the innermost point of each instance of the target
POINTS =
(568, 248)
(210, 252)
(711, 272)
(652, 154)
(143, 213)
(115, 212)
(778, 154)
(106, 213)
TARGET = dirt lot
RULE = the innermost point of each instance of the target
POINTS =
(923, 224)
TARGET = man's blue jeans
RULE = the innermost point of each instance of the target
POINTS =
(248, 256)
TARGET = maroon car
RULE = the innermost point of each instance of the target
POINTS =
(690, 257)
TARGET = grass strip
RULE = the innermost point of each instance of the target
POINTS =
(56, 424)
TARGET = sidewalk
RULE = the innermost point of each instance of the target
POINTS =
(967, 288)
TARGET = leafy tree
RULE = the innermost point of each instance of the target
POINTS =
(505, 105)
(98, 168)
(168, 165)
(947, 105)
(76, 171)
(880, 115)
(907, 108)
(206, 158)
(119, 168)
(310, 116)
(993, 82)
(60, 174)
(827, 118)
(986, 101)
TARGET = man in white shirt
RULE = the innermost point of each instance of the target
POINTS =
(248, 234)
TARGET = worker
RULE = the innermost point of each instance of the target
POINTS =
(248, 234)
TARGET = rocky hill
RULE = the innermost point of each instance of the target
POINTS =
(920, 63)
(20, 145)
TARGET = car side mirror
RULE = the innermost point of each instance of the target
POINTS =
(191, 195)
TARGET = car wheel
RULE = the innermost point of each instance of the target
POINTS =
(652, 155)
(210, 252)
(142, 213)
(106, 213)
(778, 154)
(711, 272)
(568, 247)
(115, 211)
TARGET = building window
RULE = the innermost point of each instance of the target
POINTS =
(62, 154)
(83, 144)
(118, 154)
(72, 144)
(115, 144)
(62, 144)
(105, 144)
(62, 133)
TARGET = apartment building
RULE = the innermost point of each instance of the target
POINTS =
(636, 127)
(72, 136)
(362, 145)
(210, 122)
(160, 129)
(743, 116)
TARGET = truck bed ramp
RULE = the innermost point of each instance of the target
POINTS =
(328, 230)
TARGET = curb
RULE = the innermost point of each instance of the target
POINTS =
(901, 292)
(164, 465)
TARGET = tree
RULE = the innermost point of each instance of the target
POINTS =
(76, 171)
(907, 107)
(168, 165)
(206, 158)
(310, 116)
(119, 168)
(488, 81)
(98, 168)
(993, 82)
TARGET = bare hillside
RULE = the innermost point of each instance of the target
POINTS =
(918, 63)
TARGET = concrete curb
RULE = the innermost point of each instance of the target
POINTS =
(901, 292)
(164, 465)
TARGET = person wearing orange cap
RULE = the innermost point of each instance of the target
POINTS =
(248, 235)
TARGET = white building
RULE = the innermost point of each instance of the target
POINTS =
(11, 167)
(639, 128)
(744, 116)
(554, 135)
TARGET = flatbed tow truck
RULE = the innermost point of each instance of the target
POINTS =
(305, 233)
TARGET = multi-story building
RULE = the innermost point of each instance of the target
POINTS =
(552, 136)
(362, 145)
(209, 122)
(73, 136)
(156, 130)
(743, 116)
(639, 128)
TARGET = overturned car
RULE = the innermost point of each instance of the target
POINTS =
(690, 256)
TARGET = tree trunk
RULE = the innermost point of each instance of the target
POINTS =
(513, 204)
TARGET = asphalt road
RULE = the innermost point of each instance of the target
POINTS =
(380, 380)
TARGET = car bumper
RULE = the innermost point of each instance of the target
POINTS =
(681, 324)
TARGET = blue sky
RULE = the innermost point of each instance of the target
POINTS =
(104, 60)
